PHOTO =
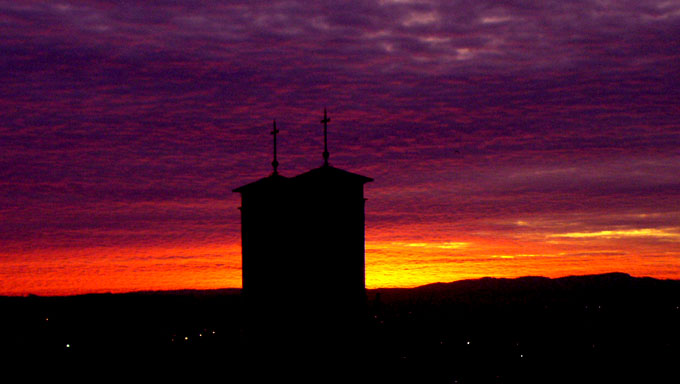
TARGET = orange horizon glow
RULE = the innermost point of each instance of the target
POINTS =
(389, 264)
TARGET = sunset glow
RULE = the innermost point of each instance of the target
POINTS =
(504, 140)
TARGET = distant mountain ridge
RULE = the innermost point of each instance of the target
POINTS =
(615, 286)
(532, 282)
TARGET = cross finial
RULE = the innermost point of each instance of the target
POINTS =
(275, 163)
(325, 122)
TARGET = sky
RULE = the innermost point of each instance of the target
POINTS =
(505, 138)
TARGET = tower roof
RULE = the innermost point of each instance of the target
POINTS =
(323, 173)
(272, 181)
(328, 172)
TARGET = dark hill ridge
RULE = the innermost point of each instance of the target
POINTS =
(485, 330)
(497, 290)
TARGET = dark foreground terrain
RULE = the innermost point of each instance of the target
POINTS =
(603, 328)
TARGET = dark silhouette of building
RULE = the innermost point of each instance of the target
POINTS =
(303, 251)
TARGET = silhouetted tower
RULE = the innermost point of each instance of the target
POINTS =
(265, 209)
(303, 244)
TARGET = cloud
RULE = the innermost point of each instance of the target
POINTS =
(613, 234)
(470, 115)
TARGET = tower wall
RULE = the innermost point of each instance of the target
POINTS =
(303, 253)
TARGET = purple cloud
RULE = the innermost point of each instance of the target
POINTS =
(470, 115)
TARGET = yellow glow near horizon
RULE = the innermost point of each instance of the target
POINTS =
(407, 262)
(644, 232)
(439, 244)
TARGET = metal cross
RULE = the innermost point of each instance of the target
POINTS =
(275, 163)
(325, 122)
